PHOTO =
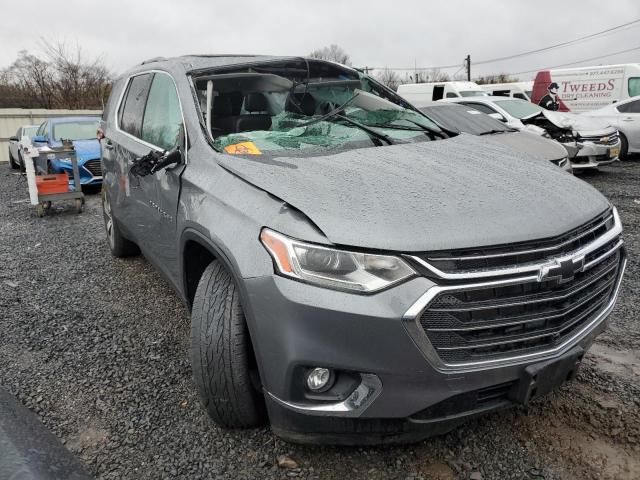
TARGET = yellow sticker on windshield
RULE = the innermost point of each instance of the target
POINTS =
(243, 148)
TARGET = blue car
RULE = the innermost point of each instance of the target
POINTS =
(82, 132)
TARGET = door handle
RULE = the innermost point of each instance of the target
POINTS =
(628, 119)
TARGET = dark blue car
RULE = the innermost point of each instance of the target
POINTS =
(82, 132)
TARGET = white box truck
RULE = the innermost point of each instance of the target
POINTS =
(421, 94)
(589, 88)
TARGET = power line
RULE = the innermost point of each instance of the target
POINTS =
(558, 45)
(522, 54)
(579, 61)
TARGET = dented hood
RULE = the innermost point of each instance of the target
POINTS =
(572, 121)
(455, 193)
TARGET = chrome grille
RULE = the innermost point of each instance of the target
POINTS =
(509, 310)
(93, 167)
(521, 254)
(611, 139)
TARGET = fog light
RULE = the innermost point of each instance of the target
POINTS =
(318, 379)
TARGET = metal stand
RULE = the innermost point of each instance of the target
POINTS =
(42, 202)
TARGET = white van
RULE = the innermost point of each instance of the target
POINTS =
(589, 88)
(420, 94)
(521, 90)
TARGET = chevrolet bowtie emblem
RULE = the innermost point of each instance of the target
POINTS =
(561, 270)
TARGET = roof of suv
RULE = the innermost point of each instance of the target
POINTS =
(197, 62)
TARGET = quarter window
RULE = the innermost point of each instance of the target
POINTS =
(132, 109)
(162, 124)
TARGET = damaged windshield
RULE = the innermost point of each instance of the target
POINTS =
(313, 106)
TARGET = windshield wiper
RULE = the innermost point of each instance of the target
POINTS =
(495, 130)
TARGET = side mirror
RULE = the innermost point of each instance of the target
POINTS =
(154, 161)
(14, 139)
(497, 116)
(40, 139)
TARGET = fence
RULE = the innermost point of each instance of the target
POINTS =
(11, 119)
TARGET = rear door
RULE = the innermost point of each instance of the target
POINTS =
(629, 123)
(122, 146)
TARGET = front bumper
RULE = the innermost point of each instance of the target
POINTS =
(86, 177)
(404, 395)
(593, 155)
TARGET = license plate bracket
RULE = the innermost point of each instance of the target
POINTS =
(541, 378)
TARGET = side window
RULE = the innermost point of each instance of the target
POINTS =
(633, 107)
(132, 108)
(520, 95)
(634, 86)
(451, 95)
(162, 125)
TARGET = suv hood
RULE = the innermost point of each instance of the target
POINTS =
(456, 193)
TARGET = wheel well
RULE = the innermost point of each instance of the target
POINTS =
(196, 259)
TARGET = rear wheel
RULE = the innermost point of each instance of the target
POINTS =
(12, 161)
(119, 246)
(222, 359)
(624, 147)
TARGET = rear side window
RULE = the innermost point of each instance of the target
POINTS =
(630, 107)
(162, 124)
(634, 86)
(132, 109)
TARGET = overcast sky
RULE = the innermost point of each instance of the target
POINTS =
(395, 33)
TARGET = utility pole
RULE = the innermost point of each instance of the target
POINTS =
(467, 62)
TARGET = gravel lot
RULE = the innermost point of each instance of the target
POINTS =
(98, 348)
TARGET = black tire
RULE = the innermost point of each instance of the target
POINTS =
(15, 165)
(222, 358)
(120, 247)
(624, 147)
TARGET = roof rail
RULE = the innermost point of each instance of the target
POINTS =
(154, 59)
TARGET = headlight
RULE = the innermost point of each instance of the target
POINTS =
(331, 268)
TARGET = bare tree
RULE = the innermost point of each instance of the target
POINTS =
(433, 75)
(496, 78)
(333, 52)
(59, 78)
(389, 77)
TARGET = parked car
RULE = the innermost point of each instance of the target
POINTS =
(583, 89)
(522, 90)
(16, 145)
(420, 93)
(463, 119)
(590, 142)
(82, 132)
(625, 116)
(354, 272)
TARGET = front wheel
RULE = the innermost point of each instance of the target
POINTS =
(222, 359)
(624, 147)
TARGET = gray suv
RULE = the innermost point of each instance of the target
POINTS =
(355, 272)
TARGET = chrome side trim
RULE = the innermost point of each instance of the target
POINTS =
(577, 257)
(411, 320)
(353, 406)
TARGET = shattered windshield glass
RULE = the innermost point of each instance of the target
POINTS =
(253, 113)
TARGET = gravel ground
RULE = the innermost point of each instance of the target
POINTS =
(98, 348)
